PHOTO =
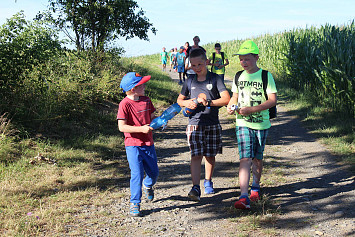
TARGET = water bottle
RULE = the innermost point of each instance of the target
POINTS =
(187, 112)
(168, 114)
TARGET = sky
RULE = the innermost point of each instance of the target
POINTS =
(178, 21)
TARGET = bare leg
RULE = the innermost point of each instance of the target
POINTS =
(196, 169)
(209, 167)
(244, 174)
(257, 168)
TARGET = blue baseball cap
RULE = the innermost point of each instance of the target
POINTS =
(131, 80)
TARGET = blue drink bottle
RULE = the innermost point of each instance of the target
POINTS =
(168, 114)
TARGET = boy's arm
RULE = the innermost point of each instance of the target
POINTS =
(232, 101)
(272, 100)
(225, 98)
(124, 127)
(227, 63)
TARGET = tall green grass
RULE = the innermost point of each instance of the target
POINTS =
(319, 60)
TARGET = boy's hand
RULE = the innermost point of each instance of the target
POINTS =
(229, 109)
(202, 99)
(245, 111)
(146, 129)
(191, 104)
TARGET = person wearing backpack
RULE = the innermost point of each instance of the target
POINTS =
(203, 93)
(218, 60)
(252, 120)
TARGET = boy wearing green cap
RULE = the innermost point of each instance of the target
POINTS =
(252, 120)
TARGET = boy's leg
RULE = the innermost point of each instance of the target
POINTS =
(196, 169)
(150, 164)
(257, 169)
(194, 139)
(137, 172)
(209, 167)
(244, 175)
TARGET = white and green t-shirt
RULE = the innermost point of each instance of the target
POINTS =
(251, 93)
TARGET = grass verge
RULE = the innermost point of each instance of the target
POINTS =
(47, 183)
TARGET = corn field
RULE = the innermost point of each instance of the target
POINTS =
(318, 60)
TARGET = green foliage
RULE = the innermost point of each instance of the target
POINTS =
(23, 45)
(95, 23)
(317, 60)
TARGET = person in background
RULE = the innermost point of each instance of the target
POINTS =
(164, 58)
(218, 60)
(196, 45)
(180, 60)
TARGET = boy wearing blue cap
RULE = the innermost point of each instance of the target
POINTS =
(252, 120)
(135, 112)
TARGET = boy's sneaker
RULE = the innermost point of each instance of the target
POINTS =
(149, 193)
(195, 193)
(254, 194)
(208, 186)
(134, 209)
(242, 203)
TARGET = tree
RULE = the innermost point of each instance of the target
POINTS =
(96, 22)
(23, 45)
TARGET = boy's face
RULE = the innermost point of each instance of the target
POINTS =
(218, 50)
(199, 65)
(139, 90)
(181, 50)
(196, 40)
(248, 62)
(163, 49)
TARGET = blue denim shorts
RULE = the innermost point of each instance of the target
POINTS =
(251, 143)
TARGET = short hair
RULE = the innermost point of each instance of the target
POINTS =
(198, 53)
(217, 45)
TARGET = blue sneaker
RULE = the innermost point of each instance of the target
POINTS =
(208, 186)
(149, 193)
(195, 193)
(134, 209)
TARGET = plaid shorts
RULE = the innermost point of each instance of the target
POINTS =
(251, 143)
(204, 140)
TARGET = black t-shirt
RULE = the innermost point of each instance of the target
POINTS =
(212, 87)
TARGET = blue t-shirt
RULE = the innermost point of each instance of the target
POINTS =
(180, 58)
(212, 87)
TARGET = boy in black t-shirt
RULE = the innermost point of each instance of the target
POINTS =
(203, 131)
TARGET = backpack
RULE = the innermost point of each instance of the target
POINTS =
(264, 77)
(213, 58)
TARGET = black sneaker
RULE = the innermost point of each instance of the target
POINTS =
(195, 193)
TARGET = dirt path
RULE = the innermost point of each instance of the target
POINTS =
(304, 192)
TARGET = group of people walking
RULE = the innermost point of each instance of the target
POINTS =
(203, 92)
(180, 61)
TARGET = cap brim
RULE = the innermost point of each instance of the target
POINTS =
(144, 80)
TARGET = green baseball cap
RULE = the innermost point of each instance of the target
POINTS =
(248, 47)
